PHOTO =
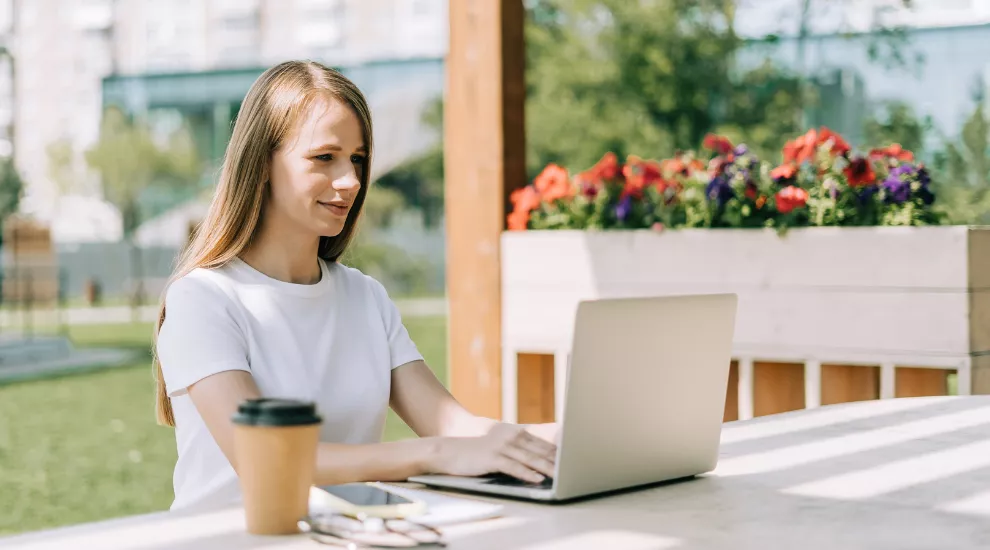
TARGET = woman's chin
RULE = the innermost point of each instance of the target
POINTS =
(331, 229)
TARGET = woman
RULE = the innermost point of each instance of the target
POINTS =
(259, 305)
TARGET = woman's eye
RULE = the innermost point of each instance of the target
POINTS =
(324, 157)
(357, 159)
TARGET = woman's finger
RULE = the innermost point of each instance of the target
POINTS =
(517, 470)
(536, 445)
(530, 459)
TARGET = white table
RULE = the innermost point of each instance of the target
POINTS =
(893, 474)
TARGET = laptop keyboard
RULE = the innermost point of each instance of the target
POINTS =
(506, 479)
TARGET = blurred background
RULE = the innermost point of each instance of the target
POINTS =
(114, 115)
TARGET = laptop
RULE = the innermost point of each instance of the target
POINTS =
(643, 403)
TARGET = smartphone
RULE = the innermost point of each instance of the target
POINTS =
(367, 499)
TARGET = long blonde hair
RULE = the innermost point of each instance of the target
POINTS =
(269, 112)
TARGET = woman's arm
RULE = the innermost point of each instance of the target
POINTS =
(430, 410)
(216, 398)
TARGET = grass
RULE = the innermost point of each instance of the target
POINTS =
(85, 447)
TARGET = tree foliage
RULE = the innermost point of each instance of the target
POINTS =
(11, 189)
(131, 160)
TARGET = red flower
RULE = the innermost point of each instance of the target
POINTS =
(791, 197)
(839, 145)
(553, 183)
(860, 173)
(802, 148)
(639, 175)
(719, 144)
(524, 201)
(518, 221)
(783, 172)
(678, 167)
(607, 168)
(894, 151)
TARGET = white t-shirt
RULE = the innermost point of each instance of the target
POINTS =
(334, 342)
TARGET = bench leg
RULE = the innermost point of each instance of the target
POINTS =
(745, 388)
(560, 369)
(510, 386)
(888, 381)
(812, 384)
(964, 378)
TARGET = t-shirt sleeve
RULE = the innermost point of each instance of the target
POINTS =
(199, 337)
(401, 347)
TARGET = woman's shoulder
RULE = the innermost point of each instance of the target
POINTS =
(356, 281)
(199, 285)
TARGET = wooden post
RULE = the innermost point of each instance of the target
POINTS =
(484, 161)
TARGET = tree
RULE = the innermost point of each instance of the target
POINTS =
(11, 190)
(965, 167)
(131, 162)
(897, 123)
(650, 76)
(419, 180)
(645, 78)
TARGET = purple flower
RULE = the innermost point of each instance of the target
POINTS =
(897, 189)
(865, 194)
(907, 170)
(718, 190)
(740, 150)
(623, 209)
(905, 178)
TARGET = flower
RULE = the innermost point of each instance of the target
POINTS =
(719, 144)
(790, 198)
(740, 150)
(518, 220)
(924, 192)
(751, 190)
(839, 145)
(865, 194)
(718, 190)
(553, 183)
(658, 227)
(639, 174)
(801, 149)
(860, 173)
(893, 151)
(783, 172)
(607, 168)
(899, 183)
(678, 167)
(623, 209)
(525, 199)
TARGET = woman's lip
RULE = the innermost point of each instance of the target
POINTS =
(338, 209)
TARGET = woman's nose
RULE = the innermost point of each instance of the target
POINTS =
(347, 182)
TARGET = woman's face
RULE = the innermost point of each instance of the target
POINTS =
(316, 173)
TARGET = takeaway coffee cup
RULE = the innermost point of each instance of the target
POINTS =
(275, 444)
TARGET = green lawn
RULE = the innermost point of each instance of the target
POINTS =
(85, 447)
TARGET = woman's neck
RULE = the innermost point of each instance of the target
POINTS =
(284, 255)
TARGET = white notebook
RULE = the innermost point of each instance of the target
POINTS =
(441, 509)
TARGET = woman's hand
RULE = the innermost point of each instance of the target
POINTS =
(506, 448)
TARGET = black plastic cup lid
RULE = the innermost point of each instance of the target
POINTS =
(276, 412)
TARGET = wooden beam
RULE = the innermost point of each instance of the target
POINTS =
(484, 161)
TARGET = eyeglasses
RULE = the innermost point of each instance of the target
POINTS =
(369, 532)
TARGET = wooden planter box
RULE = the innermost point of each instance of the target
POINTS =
(825, 315)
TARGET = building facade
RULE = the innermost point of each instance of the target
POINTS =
(73, 58)
(944, 46)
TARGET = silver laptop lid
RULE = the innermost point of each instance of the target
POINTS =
(645, 392)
